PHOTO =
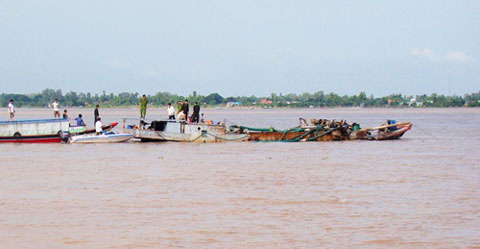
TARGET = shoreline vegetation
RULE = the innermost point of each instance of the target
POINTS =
(305, 100)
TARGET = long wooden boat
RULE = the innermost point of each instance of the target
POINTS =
(33, 131)
(181, 131)
(297, 134)
(325, 131)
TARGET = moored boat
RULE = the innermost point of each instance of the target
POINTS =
(325, 130)
(181, 131)
(390, 131)
(102, 138)
(34, 131)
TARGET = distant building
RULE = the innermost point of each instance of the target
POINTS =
(232, 104)
(412, 101)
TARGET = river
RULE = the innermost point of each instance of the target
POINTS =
(419, 191)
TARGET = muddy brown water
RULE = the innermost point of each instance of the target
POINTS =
(420, 191)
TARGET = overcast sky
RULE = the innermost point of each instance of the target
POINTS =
(240, 47)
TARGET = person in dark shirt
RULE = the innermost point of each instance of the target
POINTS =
(65, 115)
(96, 114)
(196, 113)
(185, 108)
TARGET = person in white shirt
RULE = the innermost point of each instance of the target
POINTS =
(98, 126)
(56, 112)
(11, 110)
(171, 111)
(181, 115)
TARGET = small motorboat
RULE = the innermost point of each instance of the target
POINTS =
(108, 137)
(393, 132)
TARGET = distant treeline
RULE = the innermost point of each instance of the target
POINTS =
(317, 99)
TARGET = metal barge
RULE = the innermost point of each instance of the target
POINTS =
(180, 131)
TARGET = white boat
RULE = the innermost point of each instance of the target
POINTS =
(103, 138)
(34, 131)
(181, 131)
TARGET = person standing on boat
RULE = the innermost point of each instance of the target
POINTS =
(98, 126)
(79, 120)
(56, 112)
(64, 115)
(11, 110)
(185, 108)
(179, 107)
(170, 111)
(143, 106)
(196, 113)
(96, 115)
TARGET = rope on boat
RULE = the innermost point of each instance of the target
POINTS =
(428, 133)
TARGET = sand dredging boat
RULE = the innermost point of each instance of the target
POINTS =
(325, 130)
(318, 130)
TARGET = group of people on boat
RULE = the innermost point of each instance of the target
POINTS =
(181, 113)
(56, 114)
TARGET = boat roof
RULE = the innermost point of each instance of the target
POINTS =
(32, 121)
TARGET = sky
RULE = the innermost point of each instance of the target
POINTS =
(240, 47)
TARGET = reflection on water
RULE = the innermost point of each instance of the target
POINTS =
(419, 191)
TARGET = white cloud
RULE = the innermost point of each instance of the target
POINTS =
(455, 56)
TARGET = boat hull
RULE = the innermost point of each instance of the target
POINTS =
(32, 139)
(113, 138)
(392, 135)
(176, 131)
(294, 136)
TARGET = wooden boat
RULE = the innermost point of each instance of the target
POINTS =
(103, 138)
(297, 134)
(392, 131)
(34, 131)
(108, 127)
(181, 131)
(325, 131)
